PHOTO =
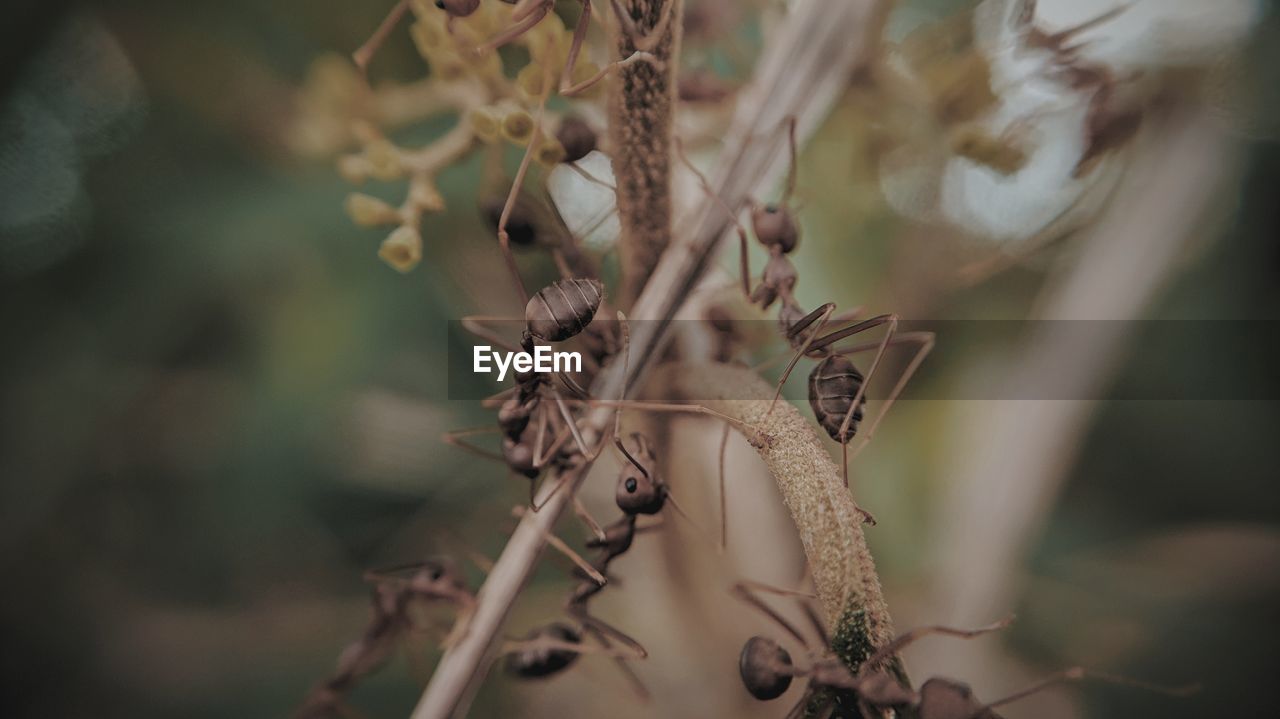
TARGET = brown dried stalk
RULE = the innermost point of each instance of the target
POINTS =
(816, 51)
(829, 522)
(641, 103)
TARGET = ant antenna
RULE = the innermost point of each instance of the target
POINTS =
(791, 170)
(1080, 673)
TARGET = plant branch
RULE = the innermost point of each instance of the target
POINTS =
(828, 520)
(817, 51)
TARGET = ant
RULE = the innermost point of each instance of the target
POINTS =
(395, 591)
(837, 389)
(767, 670)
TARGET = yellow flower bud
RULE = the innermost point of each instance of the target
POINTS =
(370, 211)
(402, 249)
(550, 152)
(530, 80)
(353, 168)
(485, 122)
(384, 162)
(517, 126)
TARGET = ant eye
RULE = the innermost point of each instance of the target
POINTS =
(440, 4)
(771, 209)
(436, 574)
(631, 484)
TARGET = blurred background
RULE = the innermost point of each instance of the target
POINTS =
(219, 406)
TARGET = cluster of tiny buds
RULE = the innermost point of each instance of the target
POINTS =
(495, 105)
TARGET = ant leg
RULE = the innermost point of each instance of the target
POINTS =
(637, 650)
(924, 342)
(902, 640)
(581, 511)
(637, 684)
(745, 591)
(724, 512)
(818, 318)
(525, 16)
(454, 438)
(791, 167)
(1080, 673)
(569, 420)
(475, 325)
(680, 511)
(743, 254)
(567, 88)
(364, 54)
(590, 178)
(805, 602)
(559, 545)
(753, 435)
(504, 240)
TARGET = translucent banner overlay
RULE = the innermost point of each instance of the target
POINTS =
(970, 360)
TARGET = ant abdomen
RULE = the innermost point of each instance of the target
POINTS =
(832, 386)
(536, 661)
(562, 309)
(765, 668)
(774, 227)
(458, 8)
(577, 137)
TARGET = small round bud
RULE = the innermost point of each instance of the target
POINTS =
(531, 80)
(550, 152)
(384, 161)
(517, 127)
(486, 123)
(577, 138)
(402, 249)
(369, 211)
(353, 168)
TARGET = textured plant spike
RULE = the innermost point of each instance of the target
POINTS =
(828, 520)
(641, 105)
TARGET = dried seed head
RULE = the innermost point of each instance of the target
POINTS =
(577, 137)
(402, 249)
(764, 666)
(774, 226)
(369, 211)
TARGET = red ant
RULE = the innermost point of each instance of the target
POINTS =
(767, 670)
(837, 389)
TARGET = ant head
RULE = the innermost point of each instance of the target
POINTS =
(577, 137)
(639, 489)
(765, 668)
(458, 8)
(438, 577)
(774, 227)
(522, 223)
(534, 661)
(519, 457)
(949, 699)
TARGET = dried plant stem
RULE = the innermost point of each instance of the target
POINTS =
(828, 520)
(642, 101)
(816, 52)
